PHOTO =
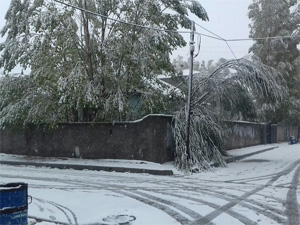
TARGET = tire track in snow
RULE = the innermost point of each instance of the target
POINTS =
(279, 200)
(180, 187)
(110, 185)
(174, 214)
(182, 208)
(61, 208)
(72, 213)
(225, 196)
(230, 212)
(45, 201)
(292, 207)
(160, 204)
(153, 201)
(253, 205)
(211, 216)
(114, 186)
(244, 180)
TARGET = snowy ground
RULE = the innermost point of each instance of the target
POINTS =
(261, 189)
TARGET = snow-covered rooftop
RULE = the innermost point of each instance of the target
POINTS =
(185, 73)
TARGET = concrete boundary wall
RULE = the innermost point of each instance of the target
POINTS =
(149, 139)
(284, 133)
(243, 134)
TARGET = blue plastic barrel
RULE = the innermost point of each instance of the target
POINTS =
(293, 140)
(14, 204)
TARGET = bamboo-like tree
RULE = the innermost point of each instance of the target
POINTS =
(257, 81)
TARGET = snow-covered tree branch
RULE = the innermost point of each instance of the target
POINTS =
(235, 80)
(87, 67)
(281, 52)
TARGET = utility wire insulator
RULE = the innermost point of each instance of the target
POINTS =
(192, 47)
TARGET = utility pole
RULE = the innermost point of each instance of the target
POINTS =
(189, 97)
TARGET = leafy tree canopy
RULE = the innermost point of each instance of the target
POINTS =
(271, 19)
(86, 67)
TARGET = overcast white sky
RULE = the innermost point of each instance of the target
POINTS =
(228, 19)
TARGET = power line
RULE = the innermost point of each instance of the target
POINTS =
(231, 50)
(116, 20)
(146, 27)
(141, 26)
(245, 39)
(211, 51)
(222, 45)
(218, 37)
(209, 36)
(134, 24)
(221, 38)
(263, 38)
(215, 36)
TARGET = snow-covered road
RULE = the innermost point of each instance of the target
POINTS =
(262, 189)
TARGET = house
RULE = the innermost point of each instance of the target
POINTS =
(180, 83)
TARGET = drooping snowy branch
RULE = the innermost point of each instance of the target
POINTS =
(232, 81)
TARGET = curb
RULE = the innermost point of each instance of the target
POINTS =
(231, 159)
(90, 167)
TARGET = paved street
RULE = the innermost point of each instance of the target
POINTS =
(262, 189)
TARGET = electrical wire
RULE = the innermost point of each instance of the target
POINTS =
(209, 36)
(220, 38)
(116, 20)
(231, 50)
(215, 36)
(245, 39)
(263, 38)
(147, 27)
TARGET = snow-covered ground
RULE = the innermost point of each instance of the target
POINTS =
(261, 189)
(91, 162)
